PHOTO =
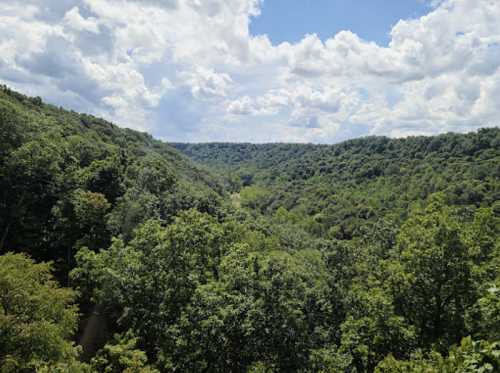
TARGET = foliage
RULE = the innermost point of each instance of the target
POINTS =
(432, 278)
(70, 180)
(121, 356)
(375, 254)
(470, 356)
(264, 308)
(348, 187)
(37, 317)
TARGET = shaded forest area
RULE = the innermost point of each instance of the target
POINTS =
(121, 253)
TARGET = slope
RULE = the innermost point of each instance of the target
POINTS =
(70, 180)
(339, 189)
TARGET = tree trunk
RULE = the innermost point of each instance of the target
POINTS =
(5, 234)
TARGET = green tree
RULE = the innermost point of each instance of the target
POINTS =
(147, 283)
(254, 197)
(468, 357)
(372, 329)
(121, 356)
(431, 274)
(269, 308)
(32, 180)
(105, 176)
(484, 317)
(37, 318)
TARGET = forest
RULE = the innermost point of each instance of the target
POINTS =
(122, 253)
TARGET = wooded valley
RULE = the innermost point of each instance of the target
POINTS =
(121, 253)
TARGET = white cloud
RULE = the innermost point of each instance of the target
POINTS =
(190, 70)
(73, 19)
(207, 83)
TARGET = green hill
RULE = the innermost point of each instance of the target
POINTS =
(337, 189)
(121, 253)
(59, 167)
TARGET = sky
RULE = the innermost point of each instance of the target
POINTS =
(372, 20)
(318, 71)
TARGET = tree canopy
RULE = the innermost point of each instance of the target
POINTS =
(120, 253)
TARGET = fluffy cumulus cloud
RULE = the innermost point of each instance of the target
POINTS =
(189, 70)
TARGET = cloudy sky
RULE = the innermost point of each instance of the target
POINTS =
(262, 71)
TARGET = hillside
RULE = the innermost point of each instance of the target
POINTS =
(59, 167)
(121, 254)
(341, 187)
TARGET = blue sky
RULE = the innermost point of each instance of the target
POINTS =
(219, 70)
(372, 20)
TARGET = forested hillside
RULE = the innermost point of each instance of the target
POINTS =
(63, 172)
(120, 254)
(337, 190)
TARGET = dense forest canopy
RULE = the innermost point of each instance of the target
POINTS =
(121, 253)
